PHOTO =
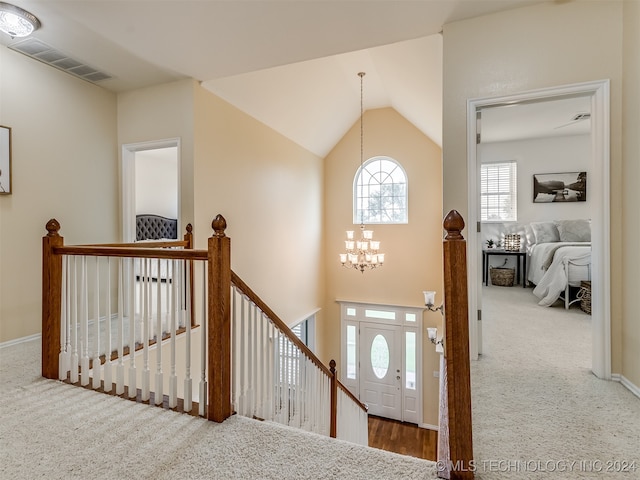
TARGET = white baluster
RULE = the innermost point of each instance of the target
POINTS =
(108, 377)
(202, 399)
(64, 357)
(270, 376)
(146, 318)
(159, 394)
(84, 299)
(173, 379)
(75, 359)
(133, 374)
(120, 339)
(242, 358)
(97, 370)
(261, 365)
(234, 347)
(188, 382)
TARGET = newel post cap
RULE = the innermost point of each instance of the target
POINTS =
(219, 225)
(453, 224)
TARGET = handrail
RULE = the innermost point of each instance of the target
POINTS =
(284, 328)
(99, 251)
(341, 386)
(217, 328)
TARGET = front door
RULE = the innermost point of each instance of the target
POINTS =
(381, 369)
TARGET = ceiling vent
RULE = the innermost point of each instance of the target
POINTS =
(46, 54)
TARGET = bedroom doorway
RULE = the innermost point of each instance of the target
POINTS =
(598, 96)
(150, 183)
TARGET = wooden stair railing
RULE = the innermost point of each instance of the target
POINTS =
(456, 458)
(330, 371)
(218, 322)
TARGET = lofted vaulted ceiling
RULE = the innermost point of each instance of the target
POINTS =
(291, 64)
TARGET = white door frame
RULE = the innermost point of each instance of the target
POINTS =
(354, 313)
(129, 182)
(599, 194)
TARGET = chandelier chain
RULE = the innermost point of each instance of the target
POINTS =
(364, 253)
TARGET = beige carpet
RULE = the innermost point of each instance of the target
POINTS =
(56, 431)
(538, 411)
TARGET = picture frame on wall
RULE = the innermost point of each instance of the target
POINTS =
(5, 160)
(560, 187)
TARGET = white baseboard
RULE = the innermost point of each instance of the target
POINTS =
(20, 340)
(627, 383)
(428, 426)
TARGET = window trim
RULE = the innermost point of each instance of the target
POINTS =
(357, 219)
(513, 164)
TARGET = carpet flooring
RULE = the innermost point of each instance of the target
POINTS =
(57, 431)
(538, 411)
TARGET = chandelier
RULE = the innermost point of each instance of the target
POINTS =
(363, 253)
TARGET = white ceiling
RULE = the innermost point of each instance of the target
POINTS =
(291, 64)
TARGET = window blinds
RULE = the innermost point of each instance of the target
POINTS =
(498, 192)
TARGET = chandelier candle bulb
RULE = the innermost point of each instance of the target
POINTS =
(349, 234)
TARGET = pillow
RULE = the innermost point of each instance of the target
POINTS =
(545, 232)
(574, 230)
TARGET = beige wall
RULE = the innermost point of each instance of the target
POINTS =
(631, 192)
(269, 190)
(413, 251)
(159, 113)
(64, 167)
(546, 45)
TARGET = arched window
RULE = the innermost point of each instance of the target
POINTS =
(380, 192)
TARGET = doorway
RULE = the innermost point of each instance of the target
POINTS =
(382, 358)
(150, 183)
(598, 92)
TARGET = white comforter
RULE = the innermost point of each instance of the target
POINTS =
(552, 282)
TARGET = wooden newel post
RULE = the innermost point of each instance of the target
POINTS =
(51, 300)
(219, 323)
(456, 310)
(188, 238)
(333, 429)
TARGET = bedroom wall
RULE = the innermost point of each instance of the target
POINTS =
(543, 155)
(156, 174)
(544, 45)
(413, 251)
(64, 167)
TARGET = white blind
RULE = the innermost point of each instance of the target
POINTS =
(498, 192)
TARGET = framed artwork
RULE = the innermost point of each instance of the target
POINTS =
(5, 160)
(560, 187)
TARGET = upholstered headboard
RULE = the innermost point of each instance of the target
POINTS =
(154, 227)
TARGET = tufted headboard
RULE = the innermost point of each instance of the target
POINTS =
(155, 227)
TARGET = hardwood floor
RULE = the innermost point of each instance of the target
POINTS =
(403, 438)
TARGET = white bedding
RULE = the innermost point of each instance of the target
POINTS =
(551, 274)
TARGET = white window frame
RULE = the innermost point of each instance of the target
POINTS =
(375, 180)
(511, 181)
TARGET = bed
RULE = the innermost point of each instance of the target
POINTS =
(151, 227)
(559, 259)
